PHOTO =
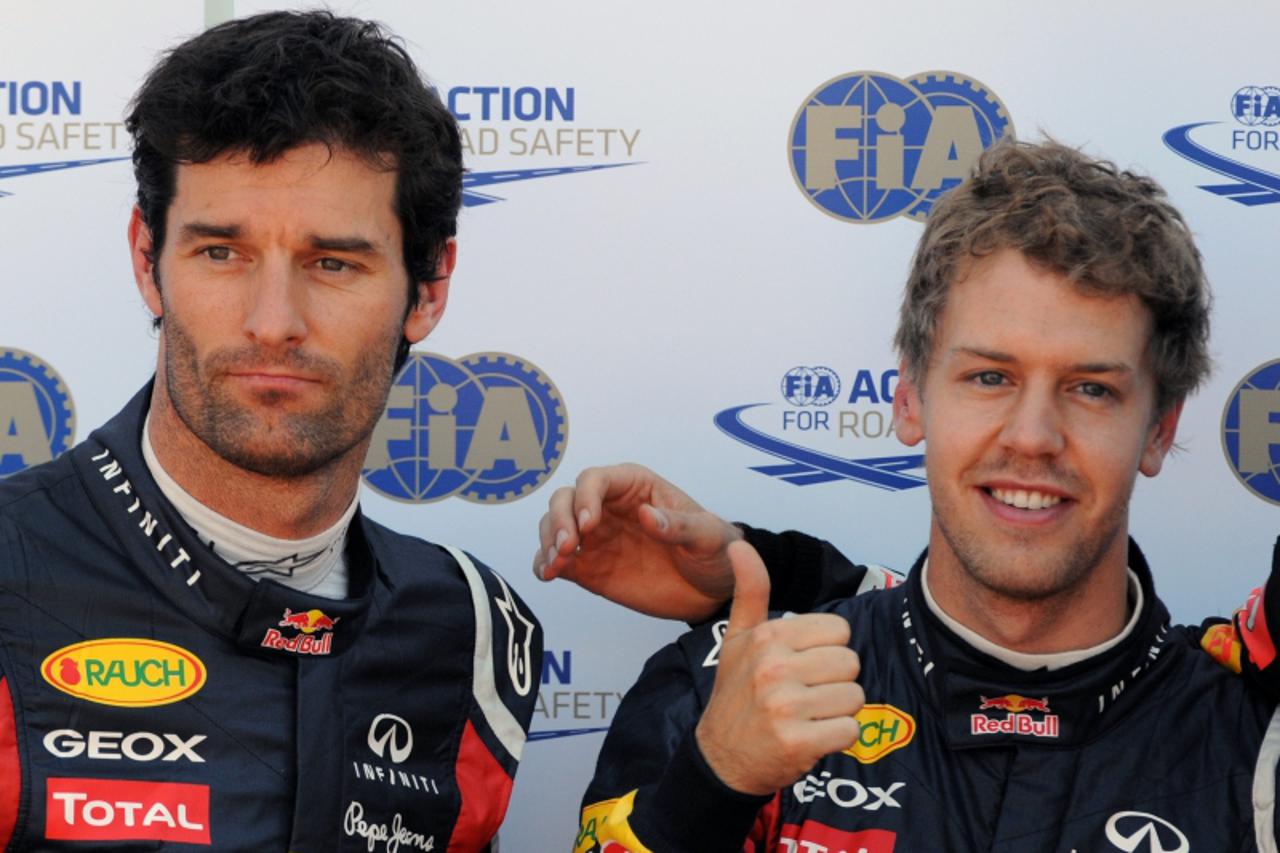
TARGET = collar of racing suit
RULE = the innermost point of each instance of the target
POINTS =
(264, 617)
(986, 702)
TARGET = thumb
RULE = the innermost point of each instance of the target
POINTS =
(751, 589)
(698, 531)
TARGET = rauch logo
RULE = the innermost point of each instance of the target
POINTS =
(126, 672)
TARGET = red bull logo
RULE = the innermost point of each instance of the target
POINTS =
(305, 642)
(309, 622)
(1015, 703)
(1017, 720)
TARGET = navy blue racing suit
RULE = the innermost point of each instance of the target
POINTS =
(1153, 745)
(152, 697)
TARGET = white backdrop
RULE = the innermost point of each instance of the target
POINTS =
(656, 295)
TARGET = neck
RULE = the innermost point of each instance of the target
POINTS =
(284, 507)
(1079, 616)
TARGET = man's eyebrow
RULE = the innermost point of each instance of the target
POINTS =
(205, 230)
(355, 245)
(1082, 367)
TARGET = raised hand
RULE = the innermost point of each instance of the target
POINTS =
(625, 533)
(784, 693)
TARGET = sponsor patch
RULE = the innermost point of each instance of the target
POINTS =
(120, 810)
(814, 837)
(1222, 644)
(882, 729)
(125, 671)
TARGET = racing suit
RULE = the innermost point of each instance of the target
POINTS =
(151, 696)
(1149, 746)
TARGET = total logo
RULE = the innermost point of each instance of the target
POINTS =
(868, 146)
(305, 642)
(1252, 139)
(488, 427)
(125, 671)
(808, 436)
(120, 810)
(114, 746)
(845, 793)
(814, 837)
(1251, 431)
(390, 739)
(37, 416)
(1017, 721)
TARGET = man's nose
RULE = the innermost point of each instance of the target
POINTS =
(1034, 425)
(276, 314)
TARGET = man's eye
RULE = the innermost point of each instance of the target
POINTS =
(333, 265)
(217, 253)
(989, 378)
(1095, 390)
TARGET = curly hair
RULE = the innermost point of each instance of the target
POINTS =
(1108, 231)
(269, 83)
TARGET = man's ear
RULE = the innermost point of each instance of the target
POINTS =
(908, 408)
(1160, 440)
(141, 252)
(432, 296)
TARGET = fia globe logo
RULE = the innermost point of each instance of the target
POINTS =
(1251, 431)
(37, 417)
(489, 427)
(867, 146)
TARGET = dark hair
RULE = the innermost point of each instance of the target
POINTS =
(266, 84)
(1106, 230)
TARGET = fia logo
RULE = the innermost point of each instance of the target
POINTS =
(868, 146)
(37, 417)
(810, 386)
(1251, 431)
(1257, 109)
(489, 427)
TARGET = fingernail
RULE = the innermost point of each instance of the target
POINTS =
(660, 518)
(560, 537)
(539, 570)
(583, 517)
(551, 554)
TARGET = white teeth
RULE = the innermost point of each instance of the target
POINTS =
(1022, 499)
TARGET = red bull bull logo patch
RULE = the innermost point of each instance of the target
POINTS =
(314, 635)
(1017, 720)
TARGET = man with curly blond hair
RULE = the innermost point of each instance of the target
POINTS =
(1022, 690)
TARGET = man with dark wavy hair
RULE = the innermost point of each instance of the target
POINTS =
(202, 639)
(1022, 690)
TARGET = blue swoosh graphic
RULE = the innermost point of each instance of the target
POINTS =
(40, 168)
(1250, 185)
(558, 733)
(806, 467)
(471, 180)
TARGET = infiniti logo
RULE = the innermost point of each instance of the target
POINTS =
(390, 737)
(1134, 831)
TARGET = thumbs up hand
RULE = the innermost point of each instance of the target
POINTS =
(784, 695)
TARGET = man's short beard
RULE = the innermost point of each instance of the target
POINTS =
(295, 445)
(1001, 569)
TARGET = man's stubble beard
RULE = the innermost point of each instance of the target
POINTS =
(1033, 572)
(288, 445)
